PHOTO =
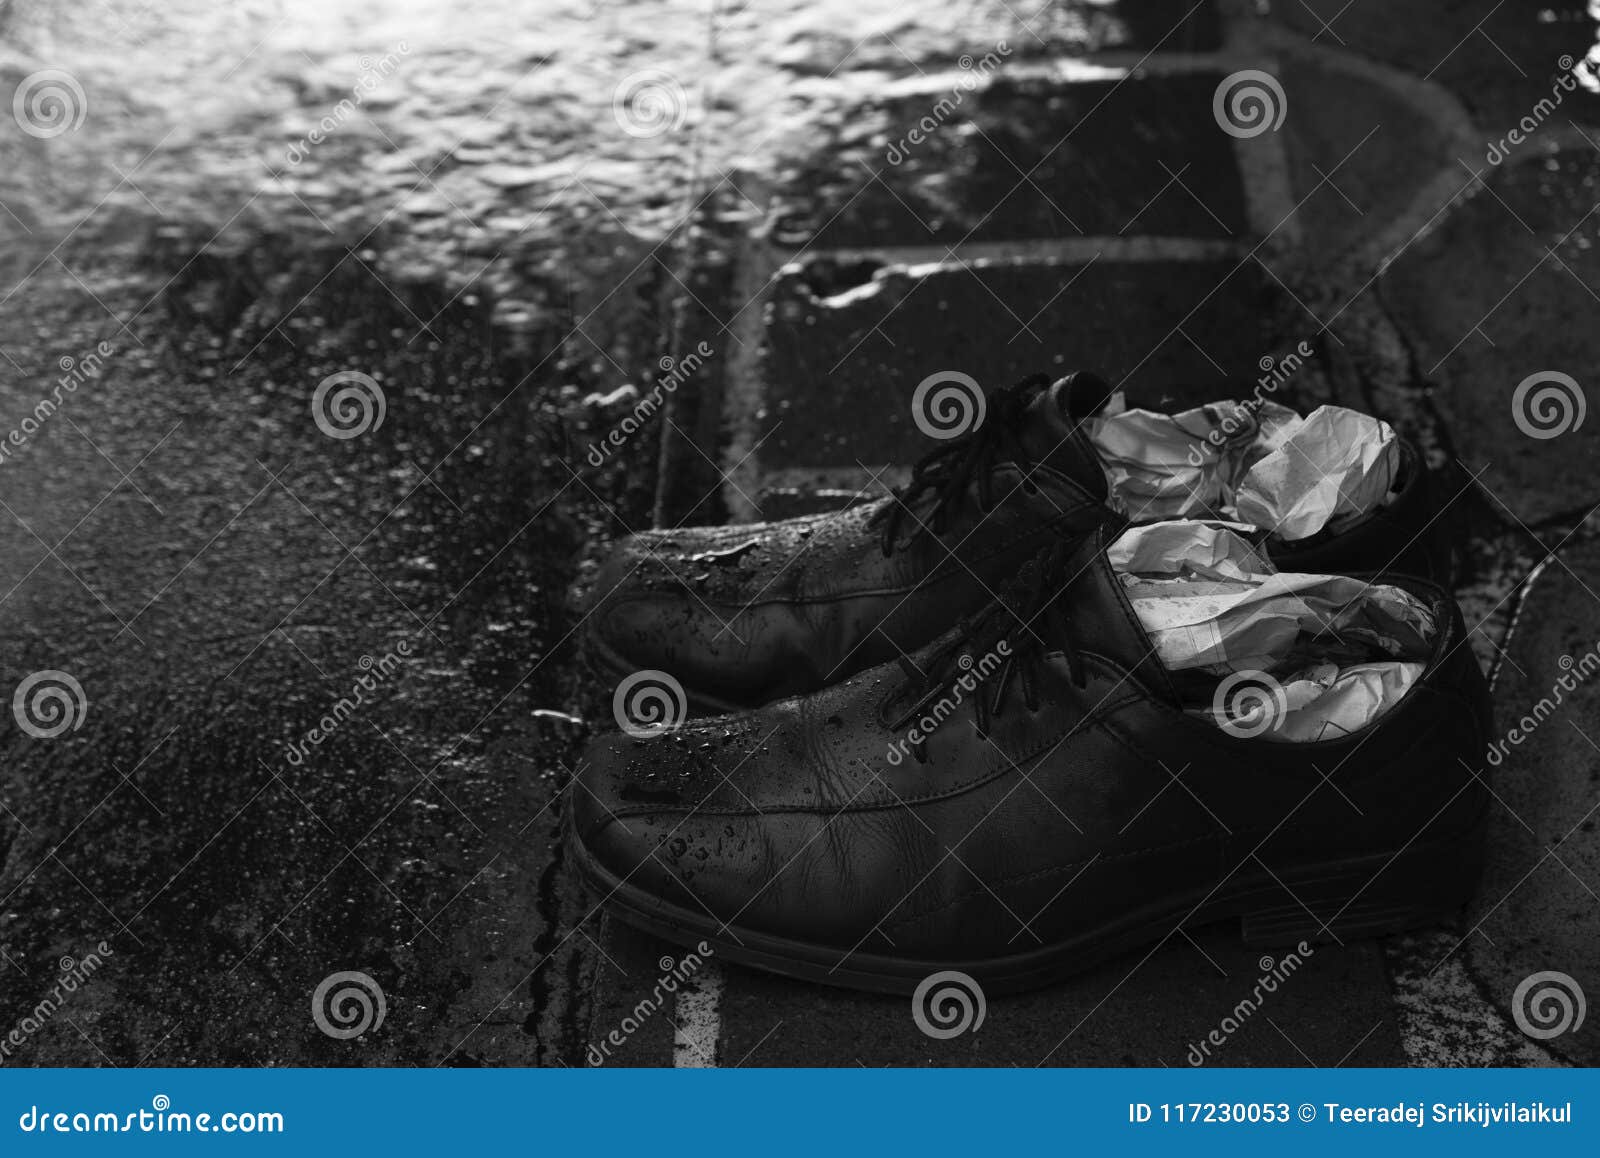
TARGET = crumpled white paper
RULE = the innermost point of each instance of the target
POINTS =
(1212, 604)
(1152, 464)
(1256, 463)
(1334, 462)
(1209, 550)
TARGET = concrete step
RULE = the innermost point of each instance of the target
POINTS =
(1021, 152)
(1504, 291)
(1539, 908)
(842, 369)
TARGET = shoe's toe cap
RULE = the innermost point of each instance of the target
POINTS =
(637, 814)
(775, 821)
(661, 601)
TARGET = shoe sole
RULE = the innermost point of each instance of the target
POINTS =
(1354, 898)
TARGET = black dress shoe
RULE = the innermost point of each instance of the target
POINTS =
(1055, 805)
(741, 615)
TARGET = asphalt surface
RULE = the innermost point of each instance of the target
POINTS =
(216, 572)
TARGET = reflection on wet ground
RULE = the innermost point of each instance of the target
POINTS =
(219, 574)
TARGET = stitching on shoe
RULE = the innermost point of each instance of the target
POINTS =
(1006, 766)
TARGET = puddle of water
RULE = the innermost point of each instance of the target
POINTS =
(453, 137)
(471, 125)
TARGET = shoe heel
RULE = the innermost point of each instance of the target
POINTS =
(1366, 896)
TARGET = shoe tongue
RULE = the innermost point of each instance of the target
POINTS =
(1100, 618)
(1053, 436)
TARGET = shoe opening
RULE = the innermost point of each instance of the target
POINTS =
(1266, 654)
(1256, 462)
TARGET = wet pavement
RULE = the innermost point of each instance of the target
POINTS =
(218, 575)
(488, 244)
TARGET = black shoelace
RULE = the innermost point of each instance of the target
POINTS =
(1030, 620)
(947, 471)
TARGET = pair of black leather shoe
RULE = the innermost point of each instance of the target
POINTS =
(1063, 805)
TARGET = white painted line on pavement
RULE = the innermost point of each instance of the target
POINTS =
(920, 261)
(1263, 162)
(743, 392)
(924, 259)
(1107, 67)
(699, 1019)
